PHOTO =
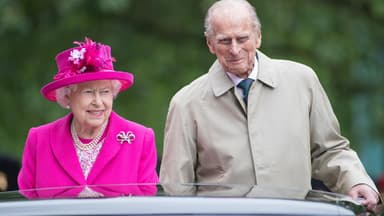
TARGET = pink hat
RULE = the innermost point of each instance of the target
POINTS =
(88, 62)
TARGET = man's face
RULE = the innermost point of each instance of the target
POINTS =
(234, 42)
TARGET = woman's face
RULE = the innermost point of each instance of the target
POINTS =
(91, 103)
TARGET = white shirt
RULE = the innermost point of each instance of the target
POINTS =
(253, 75)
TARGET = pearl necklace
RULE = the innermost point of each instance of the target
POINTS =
(92, 144)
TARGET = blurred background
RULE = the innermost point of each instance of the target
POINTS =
(162, 43)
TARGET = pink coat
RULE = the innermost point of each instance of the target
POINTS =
(50, 161)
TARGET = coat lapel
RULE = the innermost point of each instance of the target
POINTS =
(64, 150)
(267, 72)
(220, 82)
(108, 151)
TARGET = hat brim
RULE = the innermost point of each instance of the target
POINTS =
(126, 79)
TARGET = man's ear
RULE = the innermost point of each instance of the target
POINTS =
(209, 43)
(258, 40)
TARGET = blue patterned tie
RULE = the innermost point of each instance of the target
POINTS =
(245, 85)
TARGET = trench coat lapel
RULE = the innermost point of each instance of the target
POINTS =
(64, 150)
(220, 82)
(267, 73)
(266, 79)
(108, 151)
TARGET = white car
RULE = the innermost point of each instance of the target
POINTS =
(317, 203)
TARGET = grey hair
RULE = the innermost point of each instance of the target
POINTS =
(231, 4)
(63, 92)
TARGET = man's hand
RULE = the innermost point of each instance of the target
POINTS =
(369, 198)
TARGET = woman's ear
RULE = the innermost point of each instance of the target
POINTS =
(67, 101)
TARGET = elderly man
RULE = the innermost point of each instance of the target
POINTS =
(255, 121)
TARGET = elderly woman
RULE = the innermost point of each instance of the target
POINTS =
(92, 151)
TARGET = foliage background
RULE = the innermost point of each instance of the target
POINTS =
(162, 43)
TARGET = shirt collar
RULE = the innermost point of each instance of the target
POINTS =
(221, 82)
(253, 75)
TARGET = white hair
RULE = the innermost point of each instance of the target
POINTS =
(63, 93)
(231, 4)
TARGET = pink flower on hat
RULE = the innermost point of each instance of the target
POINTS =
(88, 57)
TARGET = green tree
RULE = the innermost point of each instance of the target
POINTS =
(162, 43)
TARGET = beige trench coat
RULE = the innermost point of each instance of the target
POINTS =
(287, 135)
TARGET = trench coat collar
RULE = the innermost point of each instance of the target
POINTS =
(221, 83)
(267, 72)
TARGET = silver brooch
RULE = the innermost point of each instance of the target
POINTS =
(125, 137)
